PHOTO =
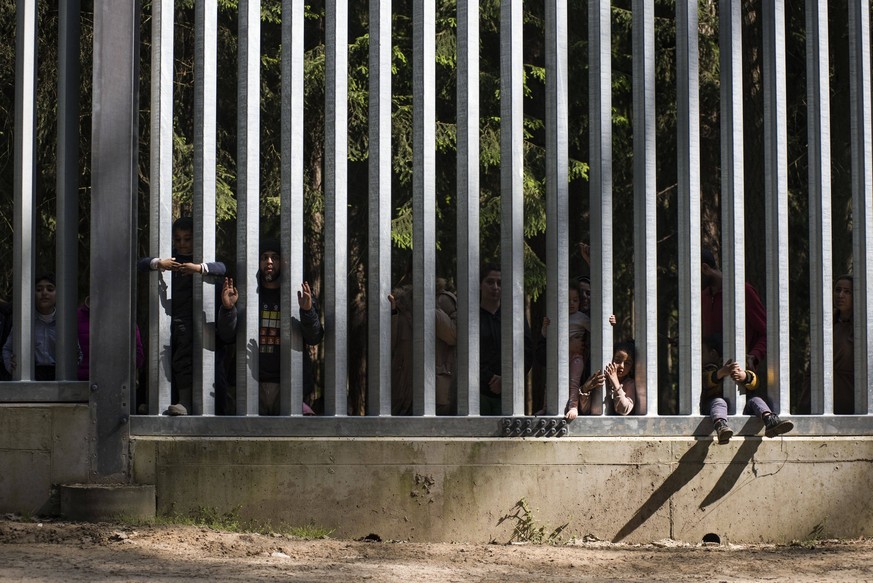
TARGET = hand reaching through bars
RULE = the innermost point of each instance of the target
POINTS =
(304, 297)
(189, 268)
(229, 294)
(167, 264)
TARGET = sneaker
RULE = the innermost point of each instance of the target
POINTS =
(774, 426)
(724, 432)
(176, 410)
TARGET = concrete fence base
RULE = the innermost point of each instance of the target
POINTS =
(41, 447)
(630, 489)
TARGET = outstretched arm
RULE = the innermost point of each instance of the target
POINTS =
(310, 321)
(157, 264)
(580, 397)
(225, 326)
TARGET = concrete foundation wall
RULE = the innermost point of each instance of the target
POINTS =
(41, 446)
(632, 489)
(627, 489)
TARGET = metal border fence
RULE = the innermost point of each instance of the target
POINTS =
(114, 224)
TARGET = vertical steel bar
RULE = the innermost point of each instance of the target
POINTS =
(511, 208)
(379, 273)
(820, 251)
(67, 241)
(600, 115)
(688, 153)
(468, 208)
(248, 200)
(862, 201)
(645, 216)
(423, 205)
(732, 181)
(776, 195)
(114, 179)
(160, 203)
(24, 221)
(335, 197)
(205, 108)
(557, 223)
(291, 340)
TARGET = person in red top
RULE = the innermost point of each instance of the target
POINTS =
(756, 315)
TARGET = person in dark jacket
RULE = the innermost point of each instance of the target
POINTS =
(182, 324)
(270, 321)
(490, 344)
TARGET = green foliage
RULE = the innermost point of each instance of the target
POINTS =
(526, 528)
(210, 518)
(232, 522)
(401, 228)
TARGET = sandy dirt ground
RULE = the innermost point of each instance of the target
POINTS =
(59, 552)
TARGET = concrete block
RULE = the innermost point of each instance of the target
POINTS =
(40, 446)
(100, 502)
(25, 482)
(70, 447)
(25, 427)
(142, 457)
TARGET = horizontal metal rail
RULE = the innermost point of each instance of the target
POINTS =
(44, 392)
(473, 427)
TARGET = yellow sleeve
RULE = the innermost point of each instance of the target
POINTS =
(711, 385)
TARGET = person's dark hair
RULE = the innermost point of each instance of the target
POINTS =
(183, 224)
(713, 341)
(486, 269)
(707, 256)
(49, 277)
(583, 279)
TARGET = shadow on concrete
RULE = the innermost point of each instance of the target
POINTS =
(688, 466)
(734, 470)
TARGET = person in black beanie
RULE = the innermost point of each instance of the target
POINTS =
(270, 321)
